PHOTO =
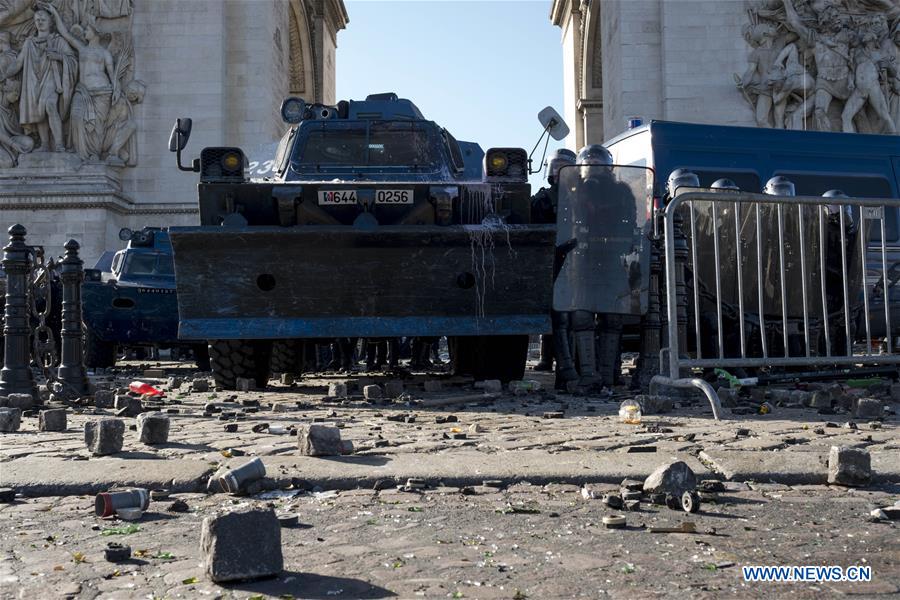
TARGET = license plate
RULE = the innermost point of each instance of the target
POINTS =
(393, 196)
(337, 197)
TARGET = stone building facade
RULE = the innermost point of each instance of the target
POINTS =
(803, 64)
(90, 89)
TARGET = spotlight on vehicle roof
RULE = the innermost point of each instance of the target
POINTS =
(293, 110)
(125, 234)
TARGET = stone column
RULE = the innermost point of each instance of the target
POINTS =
(16, 377)
(71, 371)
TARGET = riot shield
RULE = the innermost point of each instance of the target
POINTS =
(607, 210)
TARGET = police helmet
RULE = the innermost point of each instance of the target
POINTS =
(557, 161)
(835, 209)
(594, 154)
(681, 178)
(780, 186)
(725, 184)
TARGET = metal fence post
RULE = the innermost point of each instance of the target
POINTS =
(71, 371)
(16, 377)
(681, 256)
(650, 344)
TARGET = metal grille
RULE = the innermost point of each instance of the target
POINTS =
(761, 281)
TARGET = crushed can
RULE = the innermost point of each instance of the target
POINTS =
(233, 480)
(107, 504)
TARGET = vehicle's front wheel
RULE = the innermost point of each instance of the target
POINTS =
(500, 357)
(248, 359)
(287, 356)
(98, 354)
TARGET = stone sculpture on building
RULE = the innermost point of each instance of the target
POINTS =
(829, 65)
(67, 80)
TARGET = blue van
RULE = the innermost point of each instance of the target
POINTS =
(858, 164)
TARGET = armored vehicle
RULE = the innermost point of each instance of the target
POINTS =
(134, 303)
(376, 222)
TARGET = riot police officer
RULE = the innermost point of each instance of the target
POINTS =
(582, 322)
(543, 210)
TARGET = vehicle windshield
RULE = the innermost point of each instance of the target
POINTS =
(367, 144)
(150, 264)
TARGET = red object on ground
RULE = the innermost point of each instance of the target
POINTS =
(139, 387)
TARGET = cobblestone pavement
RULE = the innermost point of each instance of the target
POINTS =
(530, 537)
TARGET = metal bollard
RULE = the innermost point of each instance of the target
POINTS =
(16, 377)
(71, 371)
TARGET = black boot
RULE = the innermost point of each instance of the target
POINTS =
(546, 362)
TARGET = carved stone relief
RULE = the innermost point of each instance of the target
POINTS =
(67, 80)
(827, 65)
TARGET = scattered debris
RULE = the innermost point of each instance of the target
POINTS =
(868, 408)
(234, 480)
(116, 553)
(107, 504)
(10, 419)
(153, 428)
(243, 544)
(489, 385)
(144, 389)
(104, 436)
(322, 440)
(690, 502)
(372, 392)
(673, 478)
(849, 466)
(614, 522)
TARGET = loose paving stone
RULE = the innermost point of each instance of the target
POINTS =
(244, 384)
(869, 408)
(21, 401)
(104, 398)
(200, 385)
(153, 428)
(372, 392)
(10, 419)
(52, 420)
(337, 390)
(673, 478)
(155, 373)
(104, 436)
(393, 389)
(128, 405)
(319, 440)
(243, 544)
(849, 466)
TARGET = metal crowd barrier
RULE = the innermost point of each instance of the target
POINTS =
(746, 258)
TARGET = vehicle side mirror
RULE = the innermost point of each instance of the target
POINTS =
(181, 133)
(553, 124)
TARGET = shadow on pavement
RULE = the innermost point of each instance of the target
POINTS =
(313, 587)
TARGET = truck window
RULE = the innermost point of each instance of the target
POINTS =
(816, 184)
(368, 145)
(165, 265)
(141, 264)
(746, 180)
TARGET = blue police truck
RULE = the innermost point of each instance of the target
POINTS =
(133, 304)
(860, 165)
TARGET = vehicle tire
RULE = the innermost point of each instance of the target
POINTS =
(231, 359)
(98, 354)
(500, 357)
(201, 357)
(287, 356)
